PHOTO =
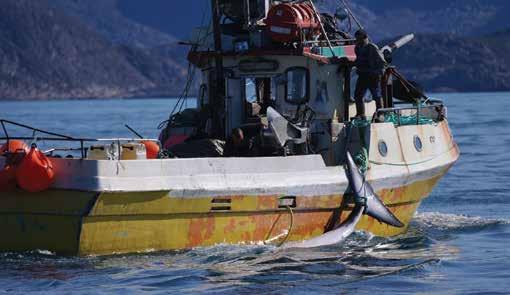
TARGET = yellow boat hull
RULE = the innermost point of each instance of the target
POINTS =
(88, 223)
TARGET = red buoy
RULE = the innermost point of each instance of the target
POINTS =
(35, 172)
(152, 149)
(289, 22)
(13, 146)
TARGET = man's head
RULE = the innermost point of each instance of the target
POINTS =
(237, 136)
(361, 37)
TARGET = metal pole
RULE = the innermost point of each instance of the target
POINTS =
(352, 14)
(248, 13)
(216, 102)
(5, 131)
(322, 28)
(36, 130)
(134, 132)
(347, 92)
(82, 150)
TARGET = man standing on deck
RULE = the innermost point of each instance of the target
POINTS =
(370, 66)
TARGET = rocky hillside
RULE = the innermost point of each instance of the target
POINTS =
(446, 62)
(388, 18)
(106, 18)
(47, 53)
(456, 46)
(383, 18)
(126, 48)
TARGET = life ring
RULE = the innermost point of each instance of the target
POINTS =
(35, 172)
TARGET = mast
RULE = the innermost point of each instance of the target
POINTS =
(217, 97)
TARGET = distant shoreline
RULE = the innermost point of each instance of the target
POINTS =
(89, 99)
(194, 97)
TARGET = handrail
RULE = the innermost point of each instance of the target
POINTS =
(435, 105)
(3, 121)
(66, 138)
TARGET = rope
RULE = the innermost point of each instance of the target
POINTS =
(183, 98)
(361, 158)
(362, 161)
(291, 226)
(357, 122)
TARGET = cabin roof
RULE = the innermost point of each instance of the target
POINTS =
(342, 54)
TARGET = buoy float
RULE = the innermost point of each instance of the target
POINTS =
(152, 149)
(13, 146)
(35, 172)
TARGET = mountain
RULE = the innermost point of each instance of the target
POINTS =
(127, 48)
(106, 18)
(175, 18)
(382, 18)
(47, 53)
(389, 18)
(446, 62)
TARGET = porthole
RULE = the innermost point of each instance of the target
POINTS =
(383, 148)
(417, 143)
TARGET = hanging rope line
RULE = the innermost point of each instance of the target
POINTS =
(190, 78)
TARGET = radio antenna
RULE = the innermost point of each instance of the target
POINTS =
(352, 14)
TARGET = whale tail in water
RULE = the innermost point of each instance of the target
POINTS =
(365, 195)
(366, 202)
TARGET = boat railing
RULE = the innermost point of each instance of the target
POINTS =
(336, 42)
(43, 135)
(434, 111)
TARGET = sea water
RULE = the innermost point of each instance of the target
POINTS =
(458, 242)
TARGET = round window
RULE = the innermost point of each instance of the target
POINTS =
(383, 148)
(417, 143)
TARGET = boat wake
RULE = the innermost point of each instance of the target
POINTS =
(453, 222)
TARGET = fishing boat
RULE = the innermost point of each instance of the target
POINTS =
(272, 153)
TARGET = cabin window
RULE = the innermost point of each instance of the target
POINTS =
(259, 93)
(383, 148)
(418, 143)
(251, 90)
(296, 87)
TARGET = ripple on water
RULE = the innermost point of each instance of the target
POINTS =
(238, 267)
(439, 253)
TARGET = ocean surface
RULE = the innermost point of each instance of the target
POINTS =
(458, 243)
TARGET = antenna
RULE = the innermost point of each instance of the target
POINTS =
(352, 14)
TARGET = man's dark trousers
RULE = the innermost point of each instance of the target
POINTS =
(371, 82)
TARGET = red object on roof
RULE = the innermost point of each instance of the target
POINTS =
(289, 22)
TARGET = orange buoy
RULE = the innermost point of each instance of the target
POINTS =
(35, 172)
(152, 149)
(7, 179)
(13, 146)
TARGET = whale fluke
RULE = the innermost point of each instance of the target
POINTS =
(334, 236)
(364, 193)
(366, 202)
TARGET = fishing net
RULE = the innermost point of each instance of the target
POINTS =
(407, 120)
